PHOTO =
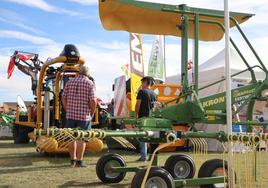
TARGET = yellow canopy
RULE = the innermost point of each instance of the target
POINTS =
(152, 18)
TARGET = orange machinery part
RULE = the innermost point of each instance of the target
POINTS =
(179, 143)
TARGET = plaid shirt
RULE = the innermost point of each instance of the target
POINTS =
(78, 92)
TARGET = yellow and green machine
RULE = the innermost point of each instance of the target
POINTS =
(48, 81)
(188, 108)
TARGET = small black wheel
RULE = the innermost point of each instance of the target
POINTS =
(213, 168)
(20, 134)
(180, 166)
(104, 168)
(15, 131)
(158, 177)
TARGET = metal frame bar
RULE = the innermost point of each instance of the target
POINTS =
(248, 43)
(126, 169)
(199, 181)
(221, 16)
(184, 52)
(196, 52)
(235, 46)
(184, 75)
(233, 75)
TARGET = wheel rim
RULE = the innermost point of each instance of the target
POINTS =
(156, 182)
(108, 169)
(219, 172)
(182, 169)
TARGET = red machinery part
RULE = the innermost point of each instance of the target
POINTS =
(10, 67)
(12, 62)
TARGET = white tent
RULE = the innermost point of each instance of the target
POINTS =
(211, 71)
(214, 69)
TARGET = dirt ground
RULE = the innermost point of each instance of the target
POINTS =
(22, 166)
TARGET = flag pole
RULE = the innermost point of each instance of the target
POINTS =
(165, 68)
(228, 92)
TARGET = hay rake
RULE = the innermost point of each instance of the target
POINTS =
(181, 168)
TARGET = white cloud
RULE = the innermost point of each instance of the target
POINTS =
(25, 36)
(43, 5)
(105, 65)
(85, 2)
(14, 18)
(114, 45)
(105, 58)
(18, 84)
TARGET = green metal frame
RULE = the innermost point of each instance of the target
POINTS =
(184, 11)
(196, 52)
(156, 133)
(249, 100)
(199, 181)
(191, 109)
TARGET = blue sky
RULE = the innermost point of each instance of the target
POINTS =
(44, 26)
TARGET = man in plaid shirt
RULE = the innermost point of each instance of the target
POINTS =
(79, 102)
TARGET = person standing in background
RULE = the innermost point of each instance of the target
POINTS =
(145, 102)
(79, 102)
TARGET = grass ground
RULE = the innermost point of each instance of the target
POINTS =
(22, 166)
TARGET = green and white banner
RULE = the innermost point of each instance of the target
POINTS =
(156, 62)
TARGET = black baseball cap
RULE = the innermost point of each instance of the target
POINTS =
(148, 79)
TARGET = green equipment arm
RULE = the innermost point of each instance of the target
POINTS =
(147, 136)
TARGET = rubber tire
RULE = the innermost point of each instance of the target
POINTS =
(20, 134)
(154, 172)
(101, 164)
(15, 131)
(208, 167)
(173, 159)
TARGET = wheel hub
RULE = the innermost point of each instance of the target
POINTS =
(156, 182)
(109, 173)
(182, 169)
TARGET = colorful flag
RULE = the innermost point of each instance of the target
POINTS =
(136, 66)
(156, 62)
(125, 69)
(120, 98)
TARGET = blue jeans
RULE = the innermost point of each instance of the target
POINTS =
(143, 150)
(74, 124)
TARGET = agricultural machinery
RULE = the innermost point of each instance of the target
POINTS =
(187, 109)
(165, 92)
(48, 80)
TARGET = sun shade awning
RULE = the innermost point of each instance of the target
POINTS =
(153, 18)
